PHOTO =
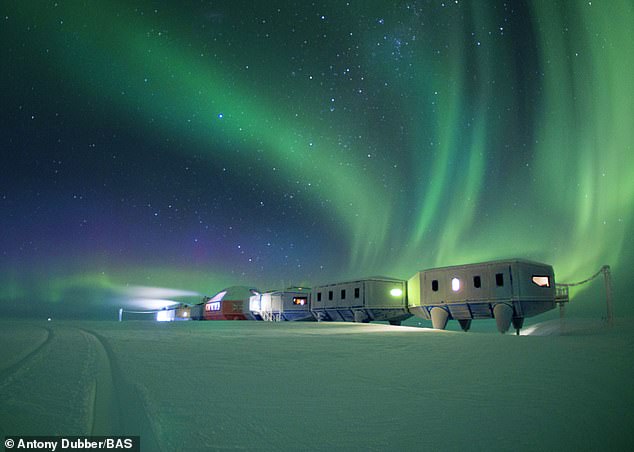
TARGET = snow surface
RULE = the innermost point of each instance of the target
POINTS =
(309, 386)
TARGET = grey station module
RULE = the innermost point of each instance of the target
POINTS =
(363, 300)
(506, 290)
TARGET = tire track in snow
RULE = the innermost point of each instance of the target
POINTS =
(117, 404)
(104, 414)
(7, 374)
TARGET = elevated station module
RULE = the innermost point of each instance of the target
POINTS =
(505, 290)
(363, 300)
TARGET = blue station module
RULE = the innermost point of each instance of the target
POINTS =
(289, 304)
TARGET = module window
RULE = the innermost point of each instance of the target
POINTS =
(300, 301)
(541, 281)
(477, 282)
(434, 285)
(499, 279)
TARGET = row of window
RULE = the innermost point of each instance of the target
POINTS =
(456, 284)
(212, 306)
(357, 294)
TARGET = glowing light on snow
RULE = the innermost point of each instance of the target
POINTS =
(527, 331)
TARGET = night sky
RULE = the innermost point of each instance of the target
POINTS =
(195, 145)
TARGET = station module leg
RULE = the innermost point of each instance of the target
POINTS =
(361, 317)
(439, 318)
(503, 314)
(518, 322)
(465, 324)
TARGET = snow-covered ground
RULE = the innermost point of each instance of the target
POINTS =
(308, 386)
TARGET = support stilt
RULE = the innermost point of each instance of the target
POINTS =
(503, 314)
(465, 324)
(439, 318)
(518, 323)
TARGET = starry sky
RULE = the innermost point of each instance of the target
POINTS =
(182, 147)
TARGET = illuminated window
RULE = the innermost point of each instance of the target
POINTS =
(164, 316)
(541, 281)
(212, 306)
(343, 294)
(300, 301)
(434, 285)
(477, 282)
(330, 294)
(396, 292)
(455, 284)
(499, 279)
(356, 292)
(318, 296)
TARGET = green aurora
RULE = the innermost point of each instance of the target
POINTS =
(414, 136)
